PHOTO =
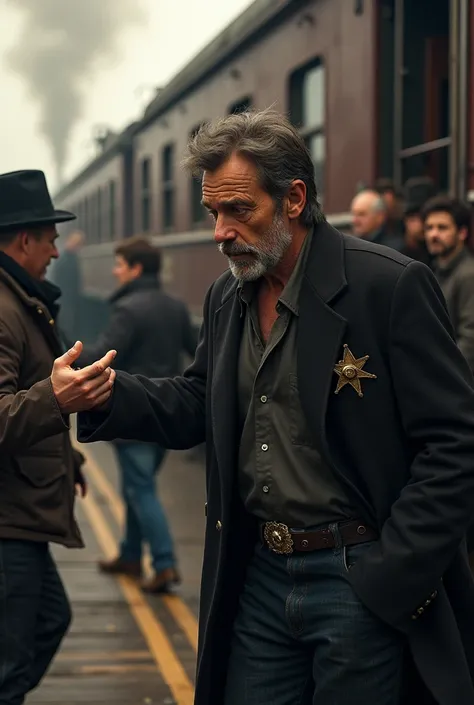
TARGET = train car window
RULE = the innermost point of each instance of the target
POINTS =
(422, 110)
(112, 209)
(198, 213)
(241, 105)
(167, 180)
(86, 220)
(307, 107)
(146, 195)
(98, 214)
(92, 218)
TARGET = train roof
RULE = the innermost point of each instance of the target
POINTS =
(244, 30)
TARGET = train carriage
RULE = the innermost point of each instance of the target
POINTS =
(379, 88)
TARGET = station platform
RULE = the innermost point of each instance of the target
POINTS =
(125, 646)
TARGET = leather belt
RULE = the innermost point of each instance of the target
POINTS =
(281, 539)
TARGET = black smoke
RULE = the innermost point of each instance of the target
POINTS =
(61, 45)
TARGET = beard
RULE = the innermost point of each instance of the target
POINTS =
(255, 261)
(438, 248)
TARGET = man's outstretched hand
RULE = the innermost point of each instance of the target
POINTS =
(82, 389)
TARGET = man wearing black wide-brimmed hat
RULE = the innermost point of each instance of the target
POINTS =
(39, 470)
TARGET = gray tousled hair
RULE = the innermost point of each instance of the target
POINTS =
(267, 139)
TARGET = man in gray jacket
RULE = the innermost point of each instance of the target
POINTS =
(447, 222)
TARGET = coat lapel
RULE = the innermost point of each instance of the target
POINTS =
(320, 328)
(227, 331)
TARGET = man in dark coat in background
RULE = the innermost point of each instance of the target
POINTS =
(338, 414)
(418, 190)
(151, 331)
(415, 243)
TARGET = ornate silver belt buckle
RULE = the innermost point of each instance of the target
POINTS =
(278, 538)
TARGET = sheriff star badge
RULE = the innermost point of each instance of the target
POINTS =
(350, 371)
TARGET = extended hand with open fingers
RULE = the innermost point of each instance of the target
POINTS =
(82, 389)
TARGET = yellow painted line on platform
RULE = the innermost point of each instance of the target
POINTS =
(96, 656)
(117, 669)
(178, 608)
(160, 647)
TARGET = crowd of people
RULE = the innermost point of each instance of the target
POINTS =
(430, 228)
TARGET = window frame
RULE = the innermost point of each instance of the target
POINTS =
(296, 110)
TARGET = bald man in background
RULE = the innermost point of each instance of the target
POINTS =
(369, 219)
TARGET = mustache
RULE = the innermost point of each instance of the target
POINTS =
(233, 248)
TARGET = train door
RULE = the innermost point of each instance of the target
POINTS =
(426, 55)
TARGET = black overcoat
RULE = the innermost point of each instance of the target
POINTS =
(404, 451)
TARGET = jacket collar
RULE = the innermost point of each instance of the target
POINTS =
(144, 283)
(27, 289)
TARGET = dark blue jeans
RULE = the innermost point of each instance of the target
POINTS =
(34, 616)
(302, 637)
(145, 520)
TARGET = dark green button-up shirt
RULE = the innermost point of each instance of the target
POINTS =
(282, 476)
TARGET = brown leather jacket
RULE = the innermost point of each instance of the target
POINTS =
(38, 467)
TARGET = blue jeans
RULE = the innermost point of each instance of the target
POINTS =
(302, 637)
(34, 616)
(145, 519)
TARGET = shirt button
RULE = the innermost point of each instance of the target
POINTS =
(266, 489)
(264, 399)
(264, 446)
(219, 526)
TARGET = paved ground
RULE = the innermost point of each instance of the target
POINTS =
(124, 647)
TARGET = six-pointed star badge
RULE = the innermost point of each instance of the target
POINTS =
(349, 371)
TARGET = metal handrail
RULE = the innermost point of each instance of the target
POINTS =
(425, 148)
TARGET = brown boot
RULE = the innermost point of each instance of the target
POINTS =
(162, 582)
(119, 567)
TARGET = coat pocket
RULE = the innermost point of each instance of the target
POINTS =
(40, 471)
(36, 496)
(351, 554)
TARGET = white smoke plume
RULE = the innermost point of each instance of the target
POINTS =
(61, 45)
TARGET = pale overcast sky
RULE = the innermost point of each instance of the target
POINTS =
(150, 50)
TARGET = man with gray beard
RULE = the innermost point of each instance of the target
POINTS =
(338, 414)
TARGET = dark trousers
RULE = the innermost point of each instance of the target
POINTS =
(34, 616)
(302, 637)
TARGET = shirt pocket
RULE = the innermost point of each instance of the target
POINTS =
(299, 431)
